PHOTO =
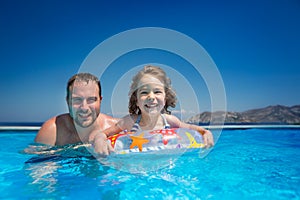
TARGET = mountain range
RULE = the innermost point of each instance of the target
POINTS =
(277, 114)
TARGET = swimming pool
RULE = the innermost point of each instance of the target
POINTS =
(245, 164)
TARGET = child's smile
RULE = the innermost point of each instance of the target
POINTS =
(150, 95)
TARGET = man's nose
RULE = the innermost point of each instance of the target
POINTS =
(84, 104)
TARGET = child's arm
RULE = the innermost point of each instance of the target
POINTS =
(207, 135)
(99, 138)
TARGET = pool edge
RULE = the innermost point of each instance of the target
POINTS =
(21, 128)
(36, 128)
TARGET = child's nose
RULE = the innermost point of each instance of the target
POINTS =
(151, 95)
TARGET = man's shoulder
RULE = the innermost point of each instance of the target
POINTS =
(53, 127)
(61, 118)
(107, 117)
(58, 121)
(106, 121)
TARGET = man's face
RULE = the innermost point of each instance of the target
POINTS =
(84, 103)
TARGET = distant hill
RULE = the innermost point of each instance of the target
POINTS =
(269, 115)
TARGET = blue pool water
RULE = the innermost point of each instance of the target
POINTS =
(244, 164)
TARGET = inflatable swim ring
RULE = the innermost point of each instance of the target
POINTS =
(158, 140)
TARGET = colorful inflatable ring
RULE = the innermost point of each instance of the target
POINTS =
(158, 140)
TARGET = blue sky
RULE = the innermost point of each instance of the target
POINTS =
(254, 44)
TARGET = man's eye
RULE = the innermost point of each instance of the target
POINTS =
(76, 100)
(92, 100)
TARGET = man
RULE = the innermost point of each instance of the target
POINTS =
(84, 101)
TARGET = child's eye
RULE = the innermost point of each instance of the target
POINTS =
(143, 92)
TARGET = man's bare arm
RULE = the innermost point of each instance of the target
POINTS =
(47, 133)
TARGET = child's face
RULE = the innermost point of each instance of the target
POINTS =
(150, 95)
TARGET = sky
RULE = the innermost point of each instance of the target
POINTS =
(253, 46)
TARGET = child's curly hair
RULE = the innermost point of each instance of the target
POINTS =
(160, 75)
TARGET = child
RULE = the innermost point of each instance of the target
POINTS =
(150, 96)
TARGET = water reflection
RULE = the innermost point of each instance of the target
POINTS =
(61, 169)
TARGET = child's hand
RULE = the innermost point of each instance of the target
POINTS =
(208, 139)
(100, 144)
